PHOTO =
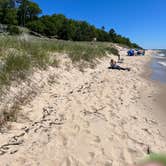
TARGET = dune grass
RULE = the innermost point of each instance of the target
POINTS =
(160, 158)
(155, 158)
(18, 56)
(15, 66)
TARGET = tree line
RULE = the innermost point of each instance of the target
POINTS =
(26, 13)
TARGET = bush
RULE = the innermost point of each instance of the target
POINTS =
(13, 30)
(36, 26)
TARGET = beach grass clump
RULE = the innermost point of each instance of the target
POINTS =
(14, 66)
(156, 158)
(87, 52)
(112, 50)
(10, 116)
(80, 52)
(13, 30)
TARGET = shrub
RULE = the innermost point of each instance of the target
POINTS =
(36, 26)
(13, 30)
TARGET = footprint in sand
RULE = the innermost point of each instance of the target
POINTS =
(87, 131)
(108, 163)
(64, 140)
(92, 155)
(97, 139)
(76, 129)
(69, 161)
(66, 162)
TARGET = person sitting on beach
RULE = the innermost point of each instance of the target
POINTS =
(113, 65)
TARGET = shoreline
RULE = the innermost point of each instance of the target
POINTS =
(160, 87)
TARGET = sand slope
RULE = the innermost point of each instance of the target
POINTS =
(99, 117)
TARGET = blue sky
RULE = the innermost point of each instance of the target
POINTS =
(143, 21)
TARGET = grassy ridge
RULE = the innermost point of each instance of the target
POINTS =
(18, 56)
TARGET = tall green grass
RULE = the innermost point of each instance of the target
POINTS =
(15, 66)
(157, 158)
(18, 56)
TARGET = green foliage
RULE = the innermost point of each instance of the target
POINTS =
(154, 157)
(5, 4)
(33, 10)
(8, 15)
(83, 31)
(86, 53)
(50, 28)
(134, 45)
(28, 11)
(22, 12)
(15, 66)
(37, 26)
(112, 50)
(60, 27)
(115, 38)
(13, 30)
(102, 35)
(56, 25)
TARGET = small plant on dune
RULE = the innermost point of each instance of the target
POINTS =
(156, 158)
(15, 66)
(89, 52)
(40, 59)
(10, 116)
(112, 50)
(13, 30)
(54, 63)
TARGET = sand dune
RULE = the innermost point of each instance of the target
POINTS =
(98, 117)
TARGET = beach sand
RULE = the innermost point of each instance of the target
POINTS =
(98, 117)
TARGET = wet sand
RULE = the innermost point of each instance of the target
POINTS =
(160, 87)
(161, 100)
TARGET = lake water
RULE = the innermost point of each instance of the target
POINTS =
(159, 66)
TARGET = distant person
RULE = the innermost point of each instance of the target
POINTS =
(113, 65)
(120, 60)
(119, 57)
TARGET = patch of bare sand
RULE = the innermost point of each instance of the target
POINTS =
(99, 117)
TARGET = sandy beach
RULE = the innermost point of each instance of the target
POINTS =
(98, 117)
